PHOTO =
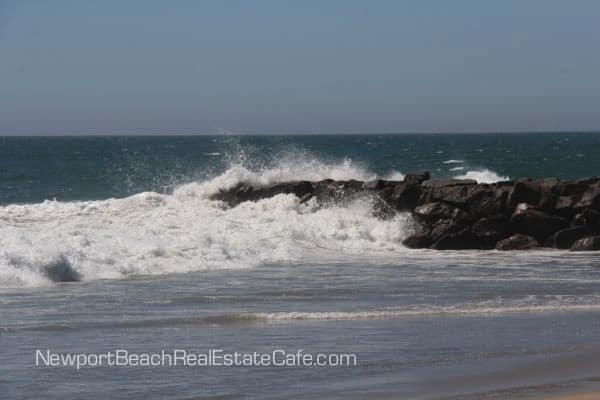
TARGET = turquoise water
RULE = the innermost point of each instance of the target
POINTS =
(154, 264)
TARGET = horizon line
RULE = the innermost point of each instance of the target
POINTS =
(135, 134)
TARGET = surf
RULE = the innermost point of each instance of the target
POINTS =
(151, 233)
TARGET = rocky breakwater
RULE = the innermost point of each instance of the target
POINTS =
(460, 214)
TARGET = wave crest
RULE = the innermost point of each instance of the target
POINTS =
(483, 175)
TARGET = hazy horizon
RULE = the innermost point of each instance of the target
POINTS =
(270, 67)
(183, 134)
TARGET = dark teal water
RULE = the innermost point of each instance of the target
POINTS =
(33, 169)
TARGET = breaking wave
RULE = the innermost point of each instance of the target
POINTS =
(423, 312)
(453, 162)
(151, 233)
(483, 175)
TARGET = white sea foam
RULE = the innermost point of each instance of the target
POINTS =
(424, 311)
(151, 233)
(394, 176)
(291, 166)
(453, 162)
(483, 175)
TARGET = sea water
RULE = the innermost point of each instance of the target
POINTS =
(154, 264)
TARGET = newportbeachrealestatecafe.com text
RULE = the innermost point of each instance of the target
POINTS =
(185, 358)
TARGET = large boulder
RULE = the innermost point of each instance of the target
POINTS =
(489, 230)
(565, 238)
(590, 198)
(442, 227)
(383, 190)
(488, 200)
(300, 189)
(588, 217)
(532, 221)
(445, 183)
(565, 206)
(416, 178)
(543, 193)
(377, 185)
(517, 242)
(432, 212)
(247, 192)
(459, 240)
(330, 191)
(451, 191)
(405, 195)
(590, 243)
(61, 270)
(578, 187)
(550, 190)
(524, 190)
(418, 241)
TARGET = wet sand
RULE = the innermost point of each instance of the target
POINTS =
(577, 396)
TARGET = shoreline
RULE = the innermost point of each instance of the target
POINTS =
(576, 396)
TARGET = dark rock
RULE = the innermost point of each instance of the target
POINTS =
(517, 242)
(405, 196)
(534, 222)
(300, 189)
(460, 240)
(590, 243)
(417, 178)
(432, 212)
(565, 238)
(543, 193)
(439, 183)
(524, 191)
(457, 195)
(382, 209)
(61, 271)
(564, 206)
(589, 217)
(246, 192)
(328, 190)
(445, 226)
(305, 198)
(378, 184)
(578, 187)
(487, 200)
(417, 241)
(590, 198)
(452, 191)
(490, 230)
(456, 213)
(551, 189)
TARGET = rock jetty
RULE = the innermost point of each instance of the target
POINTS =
(460, 214)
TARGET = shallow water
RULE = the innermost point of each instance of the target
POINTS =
(411, 321)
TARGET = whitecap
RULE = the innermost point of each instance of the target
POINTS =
(483, 175)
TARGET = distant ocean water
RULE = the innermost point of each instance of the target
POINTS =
(159, 264)
(34, 169)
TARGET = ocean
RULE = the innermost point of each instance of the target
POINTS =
(154, 265)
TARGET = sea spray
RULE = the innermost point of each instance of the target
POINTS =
(151, 233)
(154, 234)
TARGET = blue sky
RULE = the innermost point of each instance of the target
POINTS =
(328, 66)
